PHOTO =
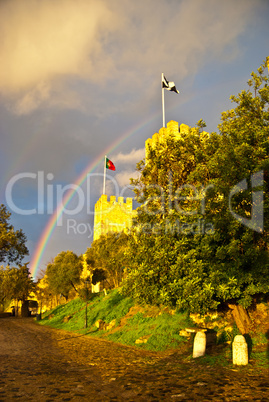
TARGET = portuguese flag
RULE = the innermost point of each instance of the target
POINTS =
(109, 164)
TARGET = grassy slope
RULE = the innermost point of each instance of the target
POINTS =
(132, 322)
(158, 326)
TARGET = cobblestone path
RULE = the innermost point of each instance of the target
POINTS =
(42, 364)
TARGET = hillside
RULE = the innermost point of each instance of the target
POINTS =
(116, 318)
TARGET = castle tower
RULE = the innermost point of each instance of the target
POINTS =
(116, 215)
(112, 215)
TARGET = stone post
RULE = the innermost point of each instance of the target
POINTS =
(240, 351)
(199, 344)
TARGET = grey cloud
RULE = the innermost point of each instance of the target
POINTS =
(122, 43)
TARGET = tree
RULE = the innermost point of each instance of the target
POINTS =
(98, 275)
(43, 293)
(12, 243)
(242, 160)
(190, 248)
(107, 256)
(5, 287)
(63, 274)
(23, 283)
(15, 284)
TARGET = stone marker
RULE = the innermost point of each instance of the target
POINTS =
(111, 325)
(199, 344)
(240, 351)
(143, 339)
(100, 324)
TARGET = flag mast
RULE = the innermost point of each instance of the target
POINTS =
(108, 164)
(170, 86)
(163, 100)
(104, 183)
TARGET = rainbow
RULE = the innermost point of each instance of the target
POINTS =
(50, 226)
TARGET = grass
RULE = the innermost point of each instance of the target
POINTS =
(161, 331)
(223, 360)
(227, 336)
(157, 326)
(261, 359)
(114, 306)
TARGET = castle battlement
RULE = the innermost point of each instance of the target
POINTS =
(112, 215)
(103, 204)
(172, 130)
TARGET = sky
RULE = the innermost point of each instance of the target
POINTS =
(82, 78)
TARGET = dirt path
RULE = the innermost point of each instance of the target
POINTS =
(42, 364)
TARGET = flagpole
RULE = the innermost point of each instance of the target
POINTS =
(163, 101)
(104, 183)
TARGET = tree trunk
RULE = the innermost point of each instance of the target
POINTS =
(25, 308)
(241, 318)
(73, 286)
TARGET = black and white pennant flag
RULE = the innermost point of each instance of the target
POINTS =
(169, 85)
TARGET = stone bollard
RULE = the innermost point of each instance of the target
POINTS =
(199, 344)
(240, 351)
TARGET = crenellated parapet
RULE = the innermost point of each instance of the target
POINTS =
(172, 130)
(112, 215)
(161, 136)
